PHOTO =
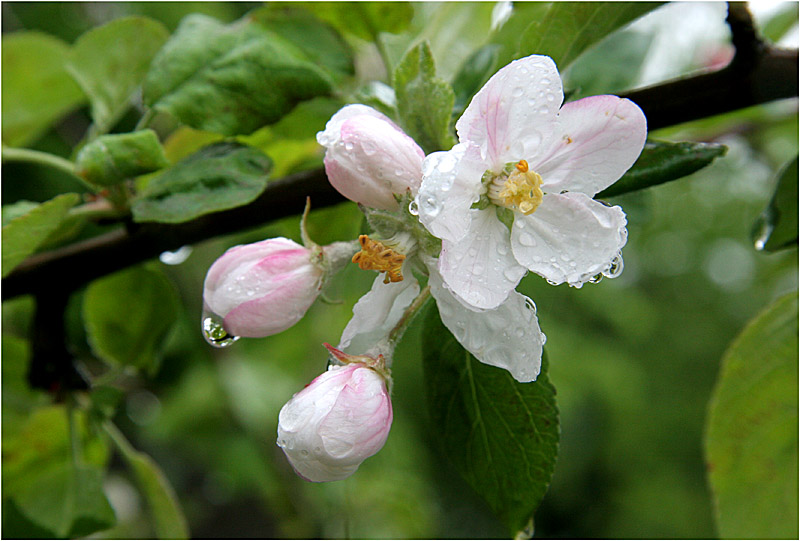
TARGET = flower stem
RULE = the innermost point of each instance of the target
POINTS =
(397, 332)
(41, 158)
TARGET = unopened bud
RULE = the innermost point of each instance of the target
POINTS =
(338, 420)
(369, 158)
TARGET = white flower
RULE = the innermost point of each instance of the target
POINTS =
(369, 158)
(338, 420)
(516, 193)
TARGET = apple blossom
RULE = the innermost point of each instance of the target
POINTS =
(369, 158)
(515, 194)
(338, 420)
(263, 288)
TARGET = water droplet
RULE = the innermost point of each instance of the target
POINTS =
(616, 267)
(526, 240)
(177, 257)
(430, 206)
(413, 208)
(304, 452)
(472, 252)
(368, 148)
(530, 305)
(552, 282)
(520, 332)
(517, 92)
(527, 532)
(762, 233)
(596, 279)
(543, 110)
(511, 274)
(544, 81)
(348, 146)
(550, 97)
(502, 249)
(215, 334)
(477, 268)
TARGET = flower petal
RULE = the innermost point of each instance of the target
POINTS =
(598, 139)
(508, 337)
(570, 238)
(481, 268)
(511, 116)
(451, 183)
(377, 312)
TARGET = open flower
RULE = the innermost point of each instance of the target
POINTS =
(369, 158)
(516, 193)
(338, 420)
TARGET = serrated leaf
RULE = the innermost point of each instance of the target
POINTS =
(776, 227)
(751, 437)
(111, 159)
(24, 234)
(168, 518)
(230, 79)
(37, 90)
(569, 28)
(501, 435)
(364, 19)
(109, 63)
(424, 102)
(321, 43)
(662, 162)
(128, 316)
(218, 177)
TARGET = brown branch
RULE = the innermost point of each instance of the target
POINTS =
(758, 74)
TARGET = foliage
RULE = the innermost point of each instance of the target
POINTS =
(133, 116)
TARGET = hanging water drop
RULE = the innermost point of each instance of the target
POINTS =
(215, 334)
(413, 209)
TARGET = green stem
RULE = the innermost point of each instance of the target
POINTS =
(144, 122)
(41, 158)
(397, 332)
(119, 440)
(74, 436)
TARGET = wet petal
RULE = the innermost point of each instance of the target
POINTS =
(570, 238)
(481, 268)
(507, 337)
(451, 183)
(513, 113)
(598, 139)
(377, 312)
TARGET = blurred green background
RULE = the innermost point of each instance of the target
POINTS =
(633, 359)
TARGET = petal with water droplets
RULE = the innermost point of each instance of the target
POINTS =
(570, 238)
(507, 337)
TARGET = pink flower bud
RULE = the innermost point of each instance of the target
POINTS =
(369, 158)
(340, 419)
(262, 288)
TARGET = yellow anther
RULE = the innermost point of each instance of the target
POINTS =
(522, 190)
(376, 256)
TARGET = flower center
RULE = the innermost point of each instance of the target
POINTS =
(520, 189)
(375, 255)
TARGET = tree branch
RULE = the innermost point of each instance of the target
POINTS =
(758, 74)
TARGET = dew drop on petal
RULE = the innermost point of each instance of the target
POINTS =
(215, 334)
(511, 274)
(517, 92)
(502, 249)
(430, 206)
(527, 240)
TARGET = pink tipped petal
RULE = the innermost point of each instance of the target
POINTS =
(596, 141)
(570, 238)
(377, 312)
(245, 255)
(481, 268)
(510, 117)
(451, 183)
(368, 158)
(508, 337)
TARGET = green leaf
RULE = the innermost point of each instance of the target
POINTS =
(474, 73)
(230, 79)
(37, 90)
(111, 159)
(776, 227)
(364, 19)
(509, 35)
(424, 102)
(165, 510)
(24, 234)
(501, 435)
(569, 28)
(109, 63)
(662, 162)
(67, 500)
(320, 42)
(218, 177)
(751, 437)
(783, 19)
(128, 316)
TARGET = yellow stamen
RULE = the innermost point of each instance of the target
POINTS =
(522, 189)
(375, 256)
